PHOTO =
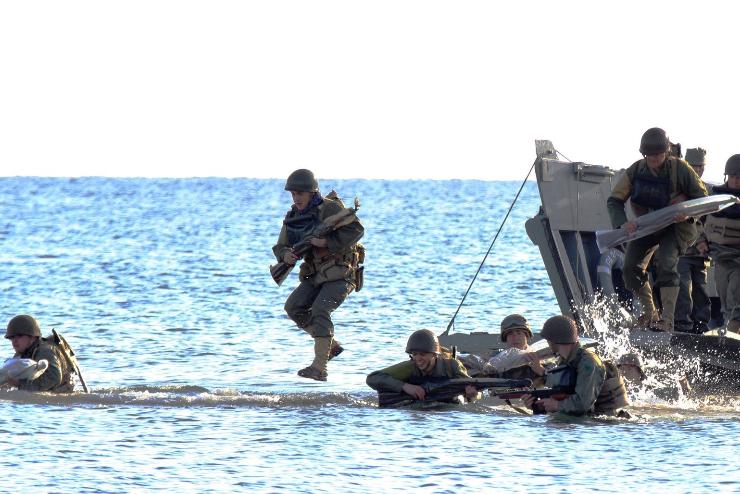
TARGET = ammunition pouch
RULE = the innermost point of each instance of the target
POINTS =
(724, 231)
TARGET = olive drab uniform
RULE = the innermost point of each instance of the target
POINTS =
(648, 191)
(58, 376)
(327, 275)
(394, 377)
(722, 232)
(599, 387)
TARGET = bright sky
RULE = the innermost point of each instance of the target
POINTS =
(374, 89)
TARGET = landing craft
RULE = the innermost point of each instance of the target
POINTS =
(573, 209)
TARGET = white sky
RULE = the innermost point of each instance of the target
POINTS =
(374, 89)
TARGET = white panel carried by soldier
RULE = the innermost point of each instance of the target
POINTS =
(57, 377)
(325, 234)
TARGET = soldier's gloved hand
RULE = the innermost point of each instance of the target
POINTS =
(289, 258)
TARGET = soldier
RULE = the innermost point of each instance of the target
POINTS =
(25, 335)
(425, 362)
(599, 389)
(722, 239)
(327, 274)
(654, 182)
(516, 333)
(630, 367)
(693, 307)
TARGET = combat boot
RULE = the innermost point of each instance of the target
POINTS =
(336, 349)
(649, 315)
(668, 295)
(317, 369)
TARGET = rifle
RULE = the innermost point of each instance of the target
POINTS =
(344, 217)
(445, 389)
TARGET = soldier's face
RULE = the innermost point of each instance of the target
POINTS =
(517, 339)
(733, 181)
(300, 198)
(424, 361)
(699, 169)
(654, 161)
(21, 342)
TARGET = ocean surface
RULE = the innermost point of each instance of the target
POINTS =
(163, 289)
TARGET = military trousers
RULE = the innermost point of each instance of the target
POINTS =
(639, 252)
(693, 307)
(310, 306)
(727, 277)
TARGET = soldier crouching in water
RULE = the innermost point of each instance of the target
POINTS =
(599, 388)
(25, 336)
(327, 274)
(655, 182)
(722, 239)
(425, 362)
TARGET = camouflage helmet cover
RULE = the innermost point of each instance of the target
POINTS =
(302, 180)
(696, 156)
(422, 340)
(23, 325)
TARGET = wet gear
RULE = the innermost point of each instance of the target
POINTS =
(654, 141)
(302, 180)
(422, 340)
(62, 365)
(394, 377)
(561, 330)
(23, 325)
(512, 322)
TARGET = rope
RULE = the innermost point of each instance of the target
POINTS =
(452, 321)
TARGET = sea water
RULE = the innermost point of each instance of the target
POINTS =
(162, 287)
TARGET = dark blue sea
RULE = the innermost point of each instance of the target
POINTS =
(163, 288)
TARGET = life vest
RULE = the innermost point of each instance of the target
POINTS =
(613, 393)
(650, 192)
(723, 227)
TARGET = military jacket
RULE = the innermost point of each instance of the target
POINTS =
(338, 259)
(590, 377)
(57, 378)
(682, 184)
(394, 377)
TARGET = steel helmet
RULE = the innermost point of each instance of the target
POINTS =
(512, 322)
(422, 340)
(732, 167)
(561, 330)
(302, 180)
(654, 141)
(23, 325)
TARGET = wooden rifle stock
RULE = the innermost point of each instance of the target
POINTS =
(442, 390)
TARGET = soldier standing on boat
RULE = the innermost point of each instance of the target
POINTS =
(722, 238)
(599, 388)
(693, 307)
(425, 362)
(654, 182)
(25, 335)
(328, 272)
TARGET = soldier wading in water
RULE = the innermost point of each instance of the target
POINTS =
(329, 271)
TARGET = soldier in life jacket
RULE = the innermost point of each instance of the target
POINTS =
(599, 388)
(25, 335)
(721, 238)
(654, 182)
(425, 361)
(693, 307)
(328, 272)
